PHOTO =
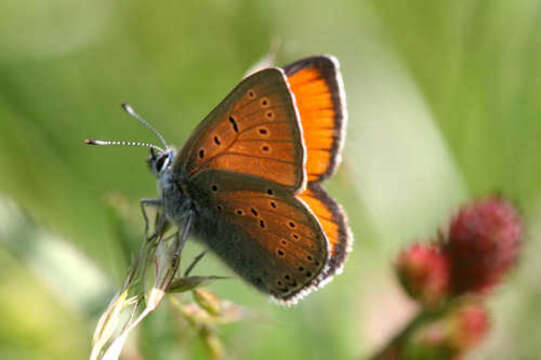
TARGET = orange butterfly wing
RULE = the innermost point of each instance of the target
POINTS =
(254, 131)
(269, 237)
(317, 85)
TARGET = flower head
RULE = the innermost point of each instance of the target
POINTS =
(424, 273)
(483, 244)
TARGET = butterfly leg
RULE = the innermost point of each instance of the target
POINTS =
(155, 203)
(182, 242)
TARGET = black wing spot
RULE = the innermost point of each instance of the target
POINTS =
(287, 277)
(301, 269)
(201, 153)
(308, 274)
(269, 114)
(234, 123)
(280, 252)
(265, 148)
(251, 94)
(283, 242)
(273, 204)
(295, 236)
(265, 102)
(262, 224)
(239, 212)
(214, 188)
(217, 140)
(309, 257)
(263, 131)
(291, 224)
(219, 207)
(254, 211)
(270, 192)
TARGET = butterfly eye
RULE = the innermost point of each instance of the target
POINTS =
(160, 163)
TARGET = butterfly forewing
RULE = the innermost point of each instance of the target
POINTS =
(254, 131)
(267, 236)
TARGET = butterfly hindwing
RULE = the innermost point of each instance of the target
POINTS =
(316, 83)
(334, 224)
(269, 237)
(254, 131)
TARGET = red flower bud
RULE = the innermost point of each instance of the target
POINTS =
(483, 243)
(424, 273)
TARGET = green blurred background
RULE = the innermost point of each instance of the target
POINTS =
(444, 101)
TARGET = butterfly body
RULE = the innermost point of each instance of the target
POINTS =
(176, 203)
(249, 179)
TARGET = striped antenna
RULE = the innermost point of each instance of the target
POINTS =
(137, 117)
(123, 143)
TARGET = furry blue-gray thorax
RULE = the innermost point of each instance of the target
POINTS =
(176, 203)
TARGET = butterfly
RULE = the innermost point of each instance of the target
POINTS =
(247, 182)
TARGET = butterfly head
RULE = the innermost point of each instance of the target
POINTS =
(159, 161)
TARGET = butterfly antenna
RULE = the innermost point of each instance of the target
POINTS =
(123, 143)
(137, 117)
